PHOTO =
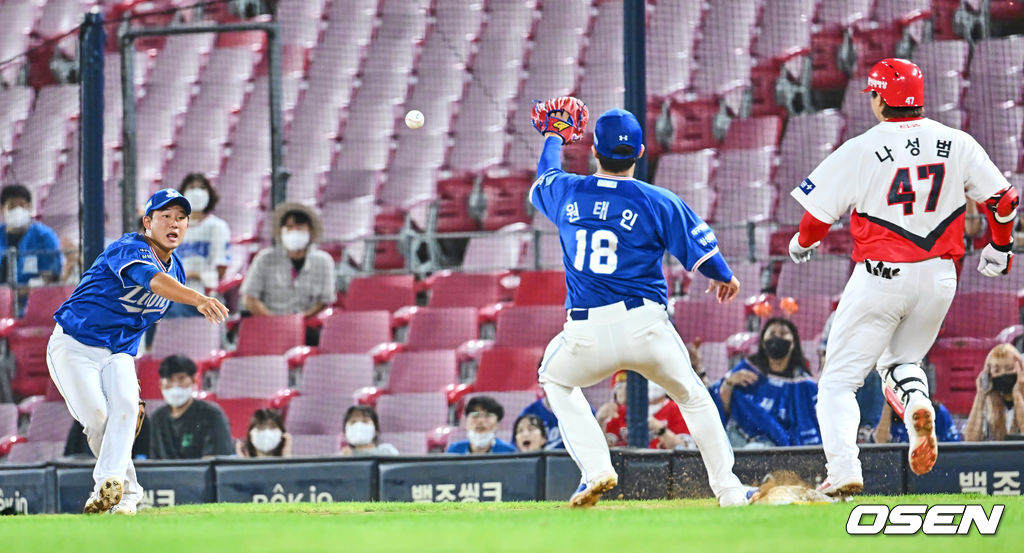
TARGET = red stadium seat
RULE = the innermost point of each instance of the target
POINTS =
(336, 374)
(528, 326)
(319, 414)
(415, 372)
(387, 292)
(408, 412)
(239, 411)
(466, 290)
(50, 421)
(255, 376)
(354, 331)
(270, 335)
(148, 371)
(507, 369)
(433, 328)
(711, 321)
(505, 195)
(980, 314)
(957, 364)
(540, 288)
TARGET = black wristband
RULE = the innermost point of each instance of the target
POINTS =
(1005, 249)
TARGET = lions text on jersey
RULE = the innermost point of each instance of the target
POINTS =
(108, 309)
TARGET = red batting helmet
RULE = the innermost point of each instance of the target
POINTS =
(898, 81)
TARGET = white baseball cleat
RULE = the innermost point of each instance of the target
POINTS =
(844, 485)
(735, 497)
(109, 494)
(924, 445)
(588, 494)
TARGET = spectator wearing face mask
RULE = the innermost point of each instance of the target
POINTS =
(769, 399)
(204, 252)
(998, 409)
(293, 276)
(34, 245)
(362, 434)
(186, 428)
(266, 436)
(481, 418)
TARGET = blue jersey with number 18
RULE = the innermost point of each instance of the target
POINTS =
(614, 233)
(110, 310)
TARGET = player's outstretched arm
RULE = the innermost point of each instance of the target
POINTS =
(165, 286)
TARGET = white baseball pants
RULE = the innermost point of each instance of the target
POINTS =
(101, 392)
(641, 339)
(880, 322)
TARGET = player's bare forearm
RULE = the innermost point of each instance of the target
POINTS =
(165, 286)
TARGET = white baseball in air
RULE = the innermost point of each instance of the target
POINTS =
(414, 119)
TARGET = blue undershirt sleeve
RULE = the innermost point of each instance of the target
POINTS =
(551, 156)
(716, 268)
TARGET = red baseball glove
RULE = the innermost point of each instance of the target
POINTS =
(565, 116)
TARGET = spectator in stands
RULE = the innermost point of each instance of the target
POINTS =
(204, 252)
(293, 276)
(77, 444)
(529, 434)
(266, 436)
(614, 409)
(769, 398)
(998, 408)
(891, 429)
(542, 410)
(481, 418)
(186, 428)
(34, 245)
(362, 434)
(664, 420)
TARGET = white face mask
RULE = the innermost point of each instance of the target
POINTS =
(265, 439)
(198, 198)
(17, 217)
(294, 240)
(176, 396)
(359, 433)
(480, 440)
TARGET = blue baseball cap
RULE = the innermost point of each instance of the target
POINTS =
(165, 197)
(617, 127)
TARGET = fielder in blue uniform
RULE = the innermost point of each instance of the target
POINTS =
(614, 231)
(90, 354)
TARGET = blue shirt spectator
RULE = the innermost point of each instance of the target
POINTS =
(39, 259)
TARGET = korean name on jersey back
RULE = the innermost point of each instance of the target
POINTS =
(108, 310)
(906, 181)
(614, 232)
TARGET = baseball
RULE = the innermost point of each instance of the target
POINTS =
(414, 119)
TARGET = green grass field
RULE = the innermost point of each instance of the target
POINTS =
(613, 526)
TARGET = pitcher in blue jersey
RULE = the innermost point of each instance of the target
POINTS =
(614, 231)
(90, 354)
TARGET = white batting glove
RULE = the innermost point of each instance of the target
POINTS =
(995, 262)
(800, 254)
